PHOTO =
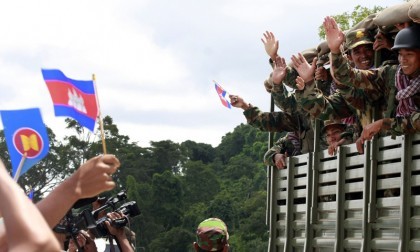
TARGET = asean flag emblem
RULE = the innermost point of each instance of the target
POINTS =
(29, 141)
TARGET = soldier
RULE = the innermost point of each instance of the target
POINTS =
(212, 235)
(336, 134)
(356, 101)
(406, 77)
(299, 138)
(407, 118)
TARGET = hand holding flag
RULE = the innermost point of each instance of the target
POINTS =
(222, 95)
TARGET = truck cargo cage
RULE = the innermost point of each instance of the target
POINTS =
(350, 201)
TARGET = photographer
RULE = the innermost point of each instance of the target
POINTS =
(122, 235)
(119, 233)
(84, 241)
(92, 178)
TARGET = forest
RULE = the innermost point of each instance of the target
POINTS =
(176, 185)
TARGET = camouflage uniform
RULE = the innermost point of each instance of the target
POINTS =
(377, 85)
(406, 125)
(300, 139)
(212, 234)
(272, 121)
(382, 82)
(291, 144)
(283, 99)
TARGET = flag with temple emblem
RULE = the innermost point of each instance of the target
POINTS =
(72, 98)
(222, 95)
(25, 132)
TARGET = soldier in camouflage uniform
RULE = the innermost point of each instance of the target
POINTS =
(296, 142)
(344, 101)
(299, 138)
(212, 235)
(287, 101)
(300, 134)
(407, 85)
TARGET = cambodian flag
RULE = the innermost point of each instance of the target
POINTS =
(25, 133)
(72, 98)
(222, 95)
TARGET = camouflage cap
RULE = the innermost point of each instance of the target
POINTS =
(212, 234)
(332, 123)
(355, 38)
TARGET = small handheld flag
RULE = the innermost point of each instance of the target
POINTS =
(26, 138)
(222, 95)
(72, 98)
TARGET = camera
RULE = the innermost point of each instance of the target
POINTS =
(71, 224)
(129, 209)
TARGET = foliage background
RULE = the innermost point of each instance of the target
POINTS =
(176, 185)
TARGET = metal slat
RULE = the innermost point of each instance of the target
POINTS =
(308, 226)
(339, 225)
(289, 206)
(405, 196)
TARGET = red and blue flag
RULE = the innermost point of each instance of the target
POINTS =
(222, 95)
(25, 133)
(72, 98)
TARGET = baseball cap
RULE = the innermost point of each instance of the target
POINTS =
(358, 37)
(332, 123)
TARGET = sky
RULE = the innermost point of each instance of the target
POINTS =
(155, 61)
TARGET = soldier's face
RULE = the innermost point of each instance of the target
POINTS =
(333, 134)
(409, 60)
(362, 56)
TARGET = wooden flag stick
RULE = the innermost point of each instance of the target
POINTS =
(19, 169)
(101, 125)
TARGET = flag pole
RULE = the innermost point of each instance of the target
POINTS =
(101, 125)
(19, 169)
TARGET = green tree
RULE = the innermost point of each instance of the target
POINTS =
(175, 240)
(167, 156)
(198, 151)
(199, 182)
(168, 199)
(347, 20)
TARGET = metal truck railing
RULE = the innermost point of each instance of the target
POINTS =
(348, 202)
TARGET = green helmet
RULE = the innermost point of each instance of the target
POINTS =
(408, 38)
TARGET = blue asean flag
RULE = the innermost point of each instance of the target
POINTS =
(25, 132)
(72, 98)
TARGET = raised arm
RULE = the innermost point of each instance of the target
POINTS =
(92, 178)
(334, 35)
(26, 229)
(271, 45)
